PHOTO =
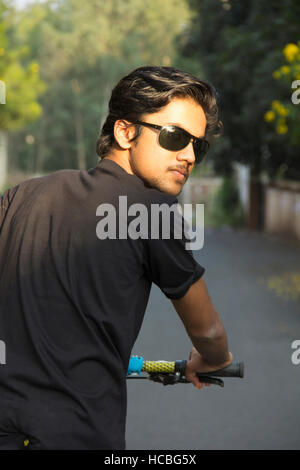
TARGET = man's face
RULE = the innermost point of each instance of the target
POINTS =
(158, 167)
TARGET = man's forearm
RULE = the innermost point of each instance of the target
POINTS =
(203, 324)
(213, 348)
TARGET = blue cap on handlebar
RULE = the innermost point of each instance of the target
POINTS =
(135, 365)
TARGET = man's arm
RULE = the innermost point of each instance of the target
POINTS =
(206, 330)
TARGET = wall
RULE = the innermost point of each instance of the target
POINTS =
(282, 209)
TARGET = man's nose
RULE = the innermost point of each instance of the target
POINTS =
(187, 154)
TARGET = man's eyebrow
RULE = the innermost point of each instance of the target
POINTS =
(181, 126)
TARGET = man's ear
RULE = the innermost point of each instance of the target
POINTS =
(124, 131)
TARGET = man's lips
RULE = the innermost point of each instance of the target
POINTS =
(182, 173)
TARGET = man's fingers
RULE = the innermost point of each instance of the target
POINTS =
(198, 385)
(201, 384)
(195, 381)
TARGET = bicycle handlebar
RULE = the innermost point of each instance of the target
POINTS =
(236, 369)
(174, 372)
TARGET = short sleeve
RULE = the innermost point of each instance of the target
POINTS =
(170, 265)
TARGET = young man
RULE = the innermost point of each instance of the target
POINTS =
(72, 298)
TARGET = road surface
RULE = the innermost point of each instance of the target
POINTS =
(244, 274)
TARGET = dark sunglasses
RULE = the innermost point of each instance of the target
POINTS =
(175, 138)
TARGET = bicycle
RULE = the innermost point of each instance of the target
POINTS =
(172, 372)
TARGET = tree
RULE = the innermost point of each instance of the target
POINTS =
(285, 116)
(83, 49)
(22, 84)
(238, 48)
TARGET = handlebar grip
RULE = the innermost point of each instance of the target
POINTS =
(235, 369)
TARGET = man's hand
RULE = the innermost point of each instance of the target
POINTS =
(196, 364)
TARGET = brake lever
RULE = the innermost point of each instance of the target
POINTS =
(171, 379)
(207, 379)
(165, 379)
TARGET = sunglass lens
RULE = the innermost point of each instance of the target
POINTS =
(172, 138)
(201, 147)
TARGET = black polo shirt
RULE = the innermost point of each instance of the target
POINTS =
(72, 304)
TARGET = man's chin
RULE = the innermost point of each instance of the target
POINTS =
(171, 189)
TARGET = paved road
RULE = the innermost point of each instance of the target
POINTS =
(262, 411)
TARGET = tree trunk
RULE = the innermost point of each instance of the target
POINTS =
(3, 158)
(256, 204)
(81, 158)
(41, 147)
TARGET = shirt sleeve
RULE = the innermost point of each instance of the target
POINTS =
(170, 265)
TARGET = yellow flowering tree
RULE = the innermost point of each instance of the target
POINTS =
(285, 116)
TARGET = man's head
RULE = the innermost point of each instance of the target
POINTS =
(160, 96)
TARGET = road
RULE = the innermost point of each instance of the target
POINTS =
(260, 411)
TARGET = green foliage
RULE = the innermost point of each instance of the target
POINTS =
(80, 49)
(83, 48)
(21, 76)
(239, 44)
(225, 208)
(285, 116)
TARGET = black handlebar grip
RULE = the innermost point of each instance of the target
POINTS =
(233, 370)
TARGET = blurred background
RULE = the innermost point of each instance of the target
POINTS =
(59, 60)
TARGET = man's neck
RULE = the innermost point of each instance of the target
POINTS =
(120, 160)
